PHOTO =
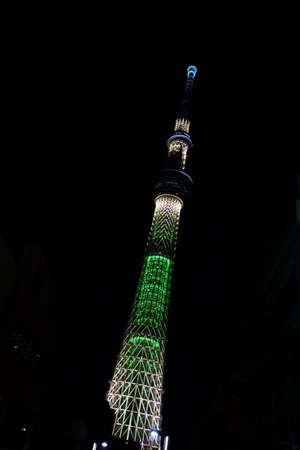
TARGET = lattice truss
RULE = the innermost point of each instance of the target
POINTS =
(135, 391)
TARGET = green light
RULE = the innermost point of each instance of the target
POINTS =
(144, 340)
(152, 297)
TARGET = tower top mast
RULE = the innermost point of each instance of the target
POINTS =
(179, 143)
(187, 98)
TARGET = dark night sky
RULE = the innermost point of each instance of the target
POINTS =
(86, 139)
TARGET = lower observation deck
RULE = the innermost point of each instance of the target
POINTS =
(173, 181)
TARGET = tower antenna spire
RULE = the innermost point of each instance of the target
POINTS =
(179, 143)
(187, 99)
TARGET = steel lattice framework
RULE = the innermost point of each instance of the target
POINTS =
(136, 388)
(135, 392)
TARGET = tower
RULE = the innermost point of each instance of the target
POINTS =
(135, 392)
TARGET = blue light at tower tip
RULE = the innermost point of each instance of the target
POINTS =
(191, 71)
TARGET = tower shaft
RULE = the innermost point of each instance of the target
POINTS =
(135, 392)
(136, 389)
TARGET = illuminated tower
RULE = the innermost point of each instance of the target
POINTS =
(135, 392)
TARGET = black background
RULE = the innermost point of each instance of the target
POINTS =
(85, 134)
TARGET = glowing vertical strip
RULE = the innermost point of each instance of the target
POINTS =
(166, 443)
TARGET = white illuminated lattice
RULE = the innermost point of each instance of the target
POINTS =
(182, 124)
(135, 392)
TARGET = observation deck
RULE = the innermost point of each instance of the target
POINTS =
(174, 182)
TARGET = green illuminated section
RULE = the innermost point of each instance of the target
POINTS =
(152, 298)
(144, 340)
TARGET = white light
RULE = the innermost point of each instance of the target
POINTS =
(94, 446)
(166, 443)
(168, 201)
(153, 435)
(104, 444)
